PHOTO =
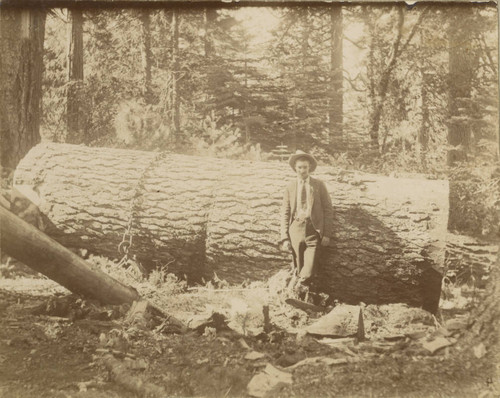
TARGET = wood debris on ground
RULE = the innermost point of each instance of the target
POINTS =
(134, 339)
(120, 372)
(254, 355)
(319, 361)
(436, 344)
(342, 321)
(268, 382)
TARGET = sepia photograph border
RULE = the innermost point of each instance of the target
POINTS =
(107, 4)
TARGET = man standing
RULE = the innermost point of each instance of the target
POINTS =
(306, 217)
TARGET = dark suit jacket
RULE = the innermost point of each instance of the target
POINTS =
(321, 211)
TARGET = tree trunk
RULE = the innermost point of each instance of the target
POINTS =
(378, 93)
(336, 74)
(201, 215)
(383, 84)
(208, 71)
(306, 31)
(483, 329)
(146, 55)
(300, 102)
(175, 75)
(487, 316)
(35, 249)
(21, 60)
(209, 17)
(462, 63)
(74, 114)
(164, 52)
(423, 133)
(469, 259)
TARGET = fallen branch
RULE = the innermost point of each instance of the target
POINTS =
(43, 254)
(120, 374)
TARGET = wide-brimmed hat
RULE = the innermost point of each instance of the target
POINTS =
(299, 155)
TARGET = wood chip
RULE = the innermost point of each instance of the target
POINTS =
(443, 332)
(436, 344)
(319, 361)
(479, 350)
(244, 344)
(335, 342)
(456, 324)
(268, 381)
(302, 305)
(342, 321)
(417, 334)
(252, 356)
(394, 337)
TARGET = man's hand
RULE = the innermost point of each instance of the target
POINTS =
(286, 245)
(325, 241)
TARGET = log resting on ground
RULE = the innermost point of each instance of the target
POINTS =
(27, 244)
(205, 215)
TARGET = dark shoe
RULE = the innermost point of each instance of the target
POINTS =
(302, 291)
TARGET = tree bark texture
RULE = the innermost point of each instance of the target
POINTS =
(423, 132)
(462, 64)
(336, 73)
(209, 18)
(203, 215)
(146, 55)
(35, 249)
(487, 315)
(176, 105)
(74, 114)
(471, 260)
(21, 60)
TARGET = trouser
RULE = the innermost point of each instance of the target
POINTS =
(305, 242)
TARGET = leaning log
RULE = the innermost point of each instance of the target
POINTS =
(201, 215)
(27, 244)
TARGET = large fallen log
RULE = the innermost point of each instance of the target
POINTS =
(201, 215)
(27, 244)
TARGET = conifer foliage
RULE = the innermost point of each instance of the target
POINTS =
(386, 84)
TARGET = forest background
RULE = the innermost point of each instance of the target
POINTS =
(387, 89)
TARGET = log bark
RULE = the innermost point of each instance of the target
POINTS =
(27, 244)
(201, 215)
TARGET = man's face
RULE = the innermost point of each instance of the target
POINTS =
(302, 167)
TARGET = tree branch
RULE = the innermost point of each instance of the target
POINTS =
(415, 28)
(295, 18)
(353, 86)
(486, 50)
(356, 43)
(397, 41)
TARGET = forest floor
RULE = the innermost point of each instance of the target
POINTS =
(53, 344)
